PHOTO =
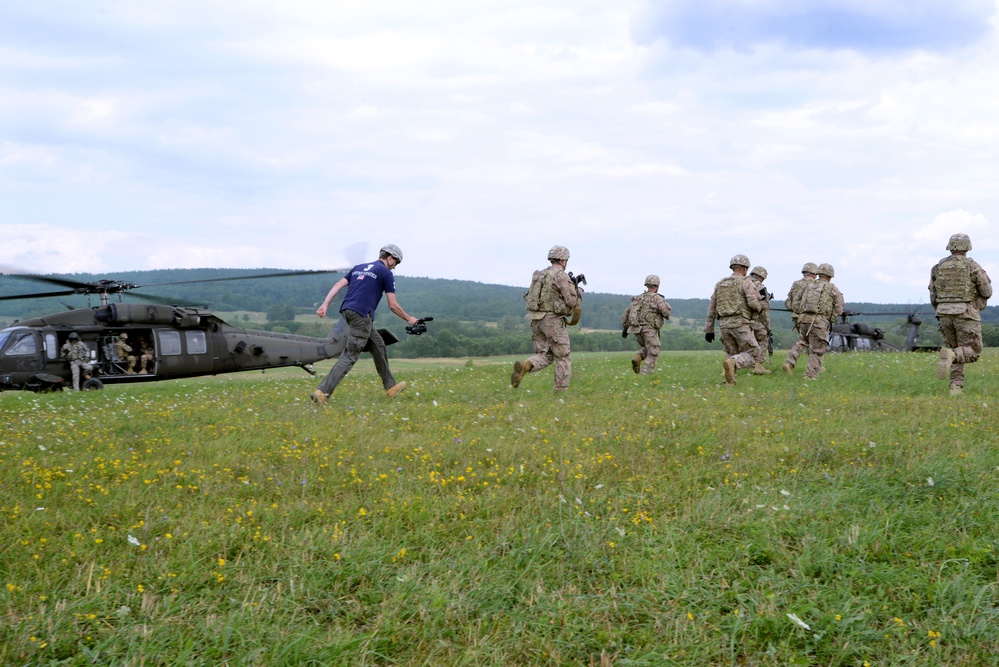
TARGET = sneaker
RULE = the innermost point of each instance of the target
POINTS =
(392, 392)
(636, 362)
(729, 367)
(946, 361)
(318, 397)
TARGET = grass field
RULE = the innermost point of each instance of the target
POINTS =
(664, 520)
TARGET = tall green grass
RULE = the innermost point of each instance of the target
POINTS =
(663, 520)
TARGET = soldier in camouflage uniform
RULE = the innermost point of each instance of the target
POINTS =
(817, 305)
(145, 355)
(800, 345)
(123, 351)
(77, 354)
(761, 322)
(959, 289)
(550, 300)
(734, 303)
(643, 317)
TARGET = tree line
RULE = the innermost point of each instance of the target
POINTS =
(470, 318)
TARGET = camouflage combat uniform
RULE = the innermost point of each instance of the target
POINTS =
(550, 300)
(801, 344)
(644, 317)
(123, 351)
(761, 322)
(818, 305)
(959, 289)
(145, 356)
(734, 303)
(77, 354)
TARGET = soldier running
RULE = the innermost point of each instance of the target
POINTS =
(734, 303)
(817, 305)
(550, 300)
(959, 290)
(644, 317)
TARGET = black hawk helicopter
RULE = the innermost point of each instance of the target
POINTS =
(845, 336)
(180, 341)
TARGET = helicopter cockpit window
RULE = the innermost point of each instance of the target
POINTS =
(24, 345)
(169, 343)
(196, 342)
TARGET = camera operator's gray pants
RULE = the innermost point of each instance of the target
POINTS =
(362, 337)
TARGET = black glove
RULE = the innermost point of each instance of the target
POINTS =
(624, 332)
(710, 336)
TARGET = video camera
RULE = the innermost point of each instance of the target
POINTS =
(420, 327)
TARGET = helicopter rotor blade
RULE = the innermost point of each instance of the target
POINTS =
(38, 295)
(281, 274)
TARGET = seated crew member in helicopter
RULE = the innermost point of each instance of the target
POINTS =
(123, 351)
(145, 355)
(365, 285)
(77, 354)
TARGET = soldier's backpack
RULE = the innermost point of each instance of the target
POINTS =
(643, 311)
(728, 296)
(542, 295)
(953, 282)
(816, 298)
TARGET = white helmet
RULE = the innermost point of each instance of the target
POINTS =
(393, 250)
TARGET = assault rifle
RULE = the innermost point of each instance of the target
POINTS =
(578, 310)
(420, 327)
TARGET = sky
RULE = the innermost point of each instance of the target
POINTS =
(647, 136)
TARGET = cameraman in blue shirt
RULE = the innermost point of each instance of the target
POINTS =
(365, 284)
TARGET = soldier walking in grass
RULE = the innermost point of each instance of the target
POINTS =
(959, 290)
(550, 300)
(734, 303)
(761, 323)
(644, 317)
(365, 285)
(817, 305)
(800, 345)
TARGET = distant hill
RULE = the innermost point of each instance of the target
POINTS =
(467, 310)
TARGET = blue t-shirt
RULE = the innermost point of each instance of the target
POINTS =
(365, 285)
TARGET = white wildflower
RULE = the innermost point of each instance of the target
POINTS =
(794, 617)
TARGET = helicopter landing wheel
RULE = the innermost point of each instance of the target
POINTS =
(93, 384)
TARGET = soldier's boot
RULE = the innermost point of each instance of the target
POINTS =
(397, 389)
(728, 366)
(758, 369)
(946, 361)
(636, 362)
(318, 397)
(520, 369)
(956, 390)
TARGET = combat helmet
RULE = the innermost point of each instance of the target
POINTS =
(809, 267)
(393, 249)
(959, 243)
(739, 260)
(652, 280)
(759, 271)
(825, 270)
(558, 252)
(74, 336)
(123, 336)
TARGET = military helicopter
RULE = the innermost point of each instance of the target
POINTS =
(181, 341)
(847, 336)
